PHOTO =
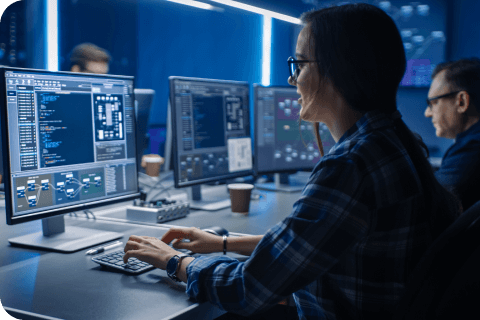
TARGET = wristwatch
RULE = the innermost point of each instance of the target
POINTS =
(172, 265)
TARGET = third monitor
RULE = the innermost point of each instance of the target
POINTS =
(284, 145)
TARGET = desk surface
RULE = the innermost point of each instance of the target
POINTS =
(71, 286)
(271, 208)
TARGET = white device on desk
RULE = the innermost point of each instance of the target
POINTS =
(157, 211)
(68, 144)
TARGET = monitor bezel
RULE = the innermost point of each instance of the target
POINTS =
(150, 93)
(258, 172)
(11, 219)
(176, 169)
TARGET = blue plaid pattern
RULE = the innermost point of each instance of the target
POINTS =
(348, 247)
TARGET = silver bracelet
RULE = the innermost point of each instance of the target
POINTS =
(224, 244)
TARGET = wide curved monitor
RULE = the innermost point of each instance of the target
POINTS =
(68, 142)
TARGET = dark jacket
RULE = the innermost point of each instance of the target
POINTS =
(460, 169)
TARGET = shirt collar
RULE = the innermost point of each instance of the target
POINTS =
(475, 128)
(371, 120)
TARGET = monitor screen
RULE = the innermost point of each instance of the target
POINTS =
(211, 130)
(280, 144)
(68, 142)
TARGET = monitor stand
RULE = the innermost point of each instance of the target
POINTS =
(56, 237)
(281, 183)
(207, 202)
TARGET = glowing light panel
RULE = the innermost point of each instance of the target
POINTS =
(52, 35)
(195, 4)
(267, 50)
(264, 12)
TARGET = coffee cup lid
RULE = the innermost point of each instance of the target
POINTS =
(152, 159)
(240, 186)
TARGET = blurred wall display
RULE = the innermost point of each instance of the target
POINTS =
(422, 25)
(12, 36)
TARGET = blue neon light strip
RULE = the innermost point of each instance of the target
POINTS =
(51, 35)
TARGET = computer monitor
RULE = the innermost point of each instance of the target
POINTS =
(1, 162)
(281, 146)
(68, 144)
(211, 135)
(143, 104)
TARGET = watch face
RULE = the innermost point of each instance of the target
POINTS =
(172, 265)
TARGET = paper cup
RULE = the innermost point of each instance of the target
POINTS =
(240, 197)
(152, 164)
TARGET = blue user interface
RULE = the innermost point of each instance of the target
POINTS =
(283, 143)
(71, 139)
(211, 130)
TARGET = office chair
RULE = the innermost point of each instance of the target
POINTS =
(446, 282)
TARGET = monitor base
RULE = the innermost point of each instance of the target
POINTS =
(208, 201)
(272, 186)
(210, 205)
(282, 183)
(73, 239)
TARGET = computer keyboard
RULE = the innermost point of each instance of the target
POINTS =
(114, 259)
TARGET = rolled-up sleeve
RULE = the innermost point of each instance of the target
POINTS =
(326, 221)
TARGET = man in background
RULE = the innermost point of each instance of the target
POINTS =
(453, 104)
(89, 58)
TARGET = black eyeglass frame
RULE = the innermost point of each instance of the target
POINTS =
(292, 60)
(429, 100)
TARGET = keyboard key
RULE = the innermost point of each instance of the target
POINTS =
(115, 260)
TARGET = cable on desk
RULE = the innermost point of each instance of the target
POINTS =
(159, 182)
(87, 212)
(159, 193)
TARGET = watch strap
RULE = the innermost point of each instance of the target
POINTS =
(178, 258)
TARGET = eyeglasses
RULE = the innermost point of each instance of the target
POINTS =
(429, 100)
(293, 67)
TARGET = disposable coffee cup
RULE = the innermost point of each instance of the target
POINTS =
(152, 164)
(240, 197)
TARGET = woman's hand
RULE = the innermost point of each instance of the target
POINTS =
(150, 250)
(200, 241)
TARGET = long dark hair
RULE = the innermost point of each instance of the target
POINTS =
(359, 49)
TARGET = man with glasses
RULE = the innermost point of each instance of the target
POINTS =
(89, 58)
(454, 105)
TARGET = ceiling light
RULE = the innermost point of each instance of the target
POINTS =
(261, 11)
(195, 4)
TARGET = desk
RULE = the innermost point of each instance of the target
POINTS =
(71, 286)
(264, 213)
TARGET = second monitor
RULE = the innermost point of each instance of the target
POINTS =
(211, 134)
(282, 144)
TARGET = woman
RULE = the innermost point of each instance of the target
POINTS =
(370, 208)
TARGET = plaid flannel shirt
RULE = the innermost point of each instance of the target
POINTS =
(348, 247)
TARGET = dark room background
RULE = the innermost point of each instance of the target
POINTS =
(155, 39)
